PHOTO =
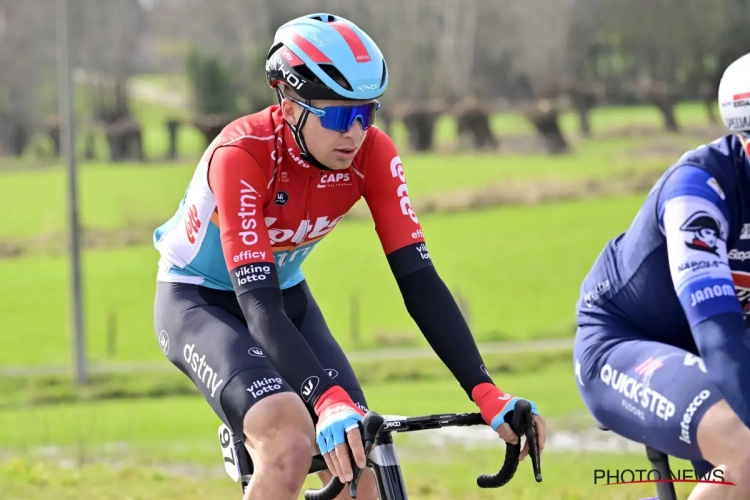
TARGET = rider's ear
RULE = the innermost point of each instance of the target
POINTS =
(289, 110)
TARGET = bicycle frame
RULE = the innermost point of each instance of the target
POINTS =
(659, 463)
(383, 462)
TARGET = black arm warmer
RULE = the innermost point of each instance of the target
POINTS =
(282, 343)
(431, 305)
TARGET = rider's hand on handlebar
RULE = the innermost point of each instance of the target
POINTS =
(338, 422)
(505, 432)
(494, 405)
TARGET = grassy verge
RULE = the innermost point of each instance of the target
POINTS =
(166, 448)
(175, 428)
(55, 389)
(447, 476)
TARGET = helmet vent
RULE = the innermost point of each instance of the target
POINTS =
(325, 18)
(308, 75)
(336, 75)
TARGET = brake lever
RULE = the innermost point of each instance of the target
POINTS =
(522, 424)
(370, 426)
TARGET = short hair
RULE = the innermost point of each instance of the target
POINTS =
(287, 91)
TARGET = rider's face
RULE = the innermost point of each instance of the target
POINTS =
(335, 150)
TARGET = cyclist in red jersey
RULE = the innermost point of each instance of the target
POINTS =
(233, 310)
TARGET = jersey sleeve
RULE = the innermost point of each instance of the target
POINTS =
(387, 196)
(239, 187)
(426, 297)
(694, 218)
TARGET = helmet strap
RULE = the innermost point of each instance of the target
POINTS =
(297, 134)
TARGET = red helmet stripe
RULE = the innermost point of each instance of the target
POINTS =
(310, 50)
(353, 41)
(291, 57)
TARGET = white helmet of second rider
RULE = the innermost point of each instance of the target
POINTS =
(734, 95)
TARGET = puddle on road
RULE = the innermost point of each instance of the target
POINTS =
(582, 441)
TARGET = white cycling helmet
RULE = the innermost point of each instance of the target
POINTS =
(734, 95)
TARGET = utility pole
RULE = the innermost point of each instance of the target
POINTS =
(67, 142)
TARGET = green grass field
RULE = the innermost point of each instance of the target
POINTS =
(133, 194)
(142, 448)
(518, 267)
(427, 478)
(145, 436)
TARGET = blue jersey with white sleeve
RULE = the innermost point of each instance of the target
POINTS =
(680, 274)
(694, 217)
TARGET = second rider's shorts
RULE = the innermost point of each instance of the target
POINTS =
(646, 391)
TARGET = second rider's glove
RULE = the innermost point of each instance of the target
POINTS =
(494, 404)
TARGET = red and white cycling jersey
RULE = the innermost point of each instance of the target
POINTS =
(254, 204)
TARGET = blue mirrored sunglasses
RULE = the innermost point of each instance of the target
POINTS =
(341, 118)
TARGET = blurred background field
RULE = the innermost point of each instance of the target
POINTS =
(528, 141)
